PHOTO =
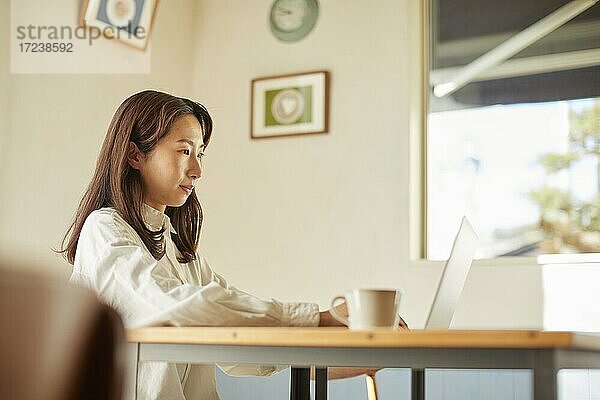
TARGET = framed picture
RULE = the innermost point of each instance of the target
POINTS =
(129, 21)
(285, 105)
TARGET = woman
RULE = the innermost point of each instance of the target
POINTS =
(135, 235)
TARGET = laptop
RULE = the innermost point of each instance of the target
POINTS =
(454, 275)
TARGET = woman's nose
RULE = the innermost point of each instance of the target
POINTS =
(195, 171)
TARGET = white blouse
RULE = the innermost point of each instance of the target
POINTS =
(112, 260)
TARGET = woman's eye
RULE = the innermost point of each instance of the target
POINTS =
(186, 152)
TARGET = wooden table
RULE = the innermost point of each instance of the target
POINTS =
(543, 352)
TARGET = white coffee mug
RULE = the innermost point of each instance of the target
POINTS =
(369, 308)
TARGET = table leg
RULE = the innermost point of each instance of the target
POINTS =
(300, 385)
(417, 387)
(321, 384)
(545, 378)
(132, 352)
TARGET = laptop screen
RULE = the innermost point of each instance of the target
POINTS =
(452, 280)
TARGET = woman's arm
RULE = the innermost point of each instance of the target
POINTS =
(146, 292)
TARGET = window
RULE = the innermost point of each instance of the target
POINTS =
(513, 137)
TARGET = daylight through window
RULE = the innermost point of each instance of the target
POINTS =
(513, 135)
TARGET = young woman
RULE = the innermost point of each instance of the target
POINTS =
(135, 235)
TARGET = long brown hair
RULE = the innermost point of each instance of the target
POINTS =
(143, 119)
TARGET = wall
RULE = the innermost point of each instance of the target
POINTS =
(311, 216)
(53, 126)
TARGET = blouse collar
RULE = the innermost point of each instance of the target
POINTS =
(156, 220)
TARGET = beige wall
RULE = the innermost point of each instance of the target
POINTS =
(293, 218)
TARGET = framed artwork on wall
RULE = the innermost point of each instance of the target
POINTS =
(285, 105)
(129, 21)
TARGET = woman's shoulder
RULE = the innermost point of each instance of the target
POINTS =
(106, 222)
(104, 216)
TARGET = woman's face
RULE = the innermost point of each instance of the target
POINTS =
(170, 171)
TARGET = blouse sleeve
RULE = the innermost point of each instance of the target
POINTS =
(147, 292)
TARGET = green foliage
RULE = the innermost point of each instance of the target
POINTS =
(585, 125)
(588, 215)
(557, 205)
(551, 198)
(553, 162)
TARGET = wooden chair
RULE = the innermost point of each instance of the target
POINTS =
(57, 341)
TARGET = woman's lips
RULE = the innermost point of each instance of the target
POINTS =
(187, 189)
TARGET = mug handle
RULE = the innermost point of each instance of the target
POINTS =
(335, 314)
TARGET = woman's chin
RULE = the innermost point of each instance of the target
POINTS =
(178, 203)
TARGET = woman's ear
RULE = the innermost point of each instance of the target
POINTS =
(134, 156)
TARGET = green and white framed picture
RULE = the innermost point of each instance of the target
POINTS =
(285, 105)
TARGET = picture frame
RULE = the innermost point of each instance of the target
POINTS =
(129, 21)
(288, 105)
